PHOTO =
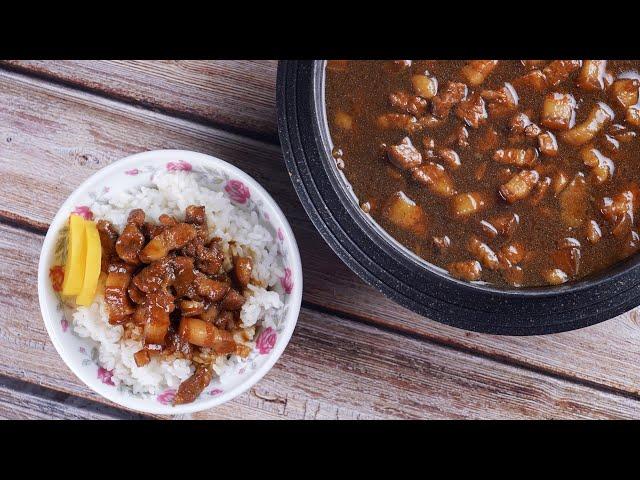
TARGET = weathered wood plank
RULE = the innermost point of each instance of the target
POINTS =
(333, 368)
(236, 93)
(605, 354)
(78, 134)
(58, 137)
(22, 400)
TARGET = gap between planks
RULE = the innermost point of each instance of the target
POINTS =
(41, 229)
(51, 78)
(496, 357)
(330, 369)
(20, 399)
(113, 105)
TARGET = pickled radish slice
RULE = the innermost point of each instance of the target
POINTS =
(76, 253)
(92, 265)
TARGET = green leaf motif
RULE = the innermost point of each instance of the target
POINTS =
(60, 252)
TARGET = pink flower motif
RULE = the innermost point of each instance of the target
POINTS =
(64, 325)
(166, 397)
(178, 166)
(287, 281)
(266, 340)
(105, 375)
(134, 171)
(84, 212)
(215, 392)
(280, 235)
(267, 217)
(238, 191)
(82, 350)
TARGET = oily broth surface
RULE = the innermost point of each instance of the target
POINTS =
(363, 90)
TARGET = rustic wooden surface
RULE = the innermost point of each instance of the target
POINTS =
(354, 354)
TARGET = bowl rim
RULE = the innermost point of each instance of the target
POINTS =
(148, 405)
(387, 265)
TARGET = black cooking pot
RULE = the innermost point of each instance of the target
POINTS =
(398, 273)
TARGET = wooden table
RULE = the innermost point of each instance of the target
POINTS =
(354, 354)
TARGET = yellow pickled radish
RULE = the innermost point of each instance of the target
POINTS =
(76, 253)
(92, 265)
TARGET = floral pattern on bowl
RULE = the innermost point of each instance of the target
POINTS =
(80, 353)
(266, 340)
(238, 192)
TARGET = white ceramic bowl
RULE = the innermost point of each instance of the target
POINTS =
(78, 353)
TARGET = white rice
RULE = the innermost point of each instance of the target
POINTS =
(242, 233)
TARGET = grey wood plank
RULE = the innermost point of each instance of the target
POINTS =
(239, 94)
(26, 401)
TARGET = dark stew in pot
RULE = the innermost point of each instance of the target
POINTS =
(512, 172)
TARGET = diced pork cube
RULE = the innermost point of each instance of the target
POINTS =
(520, 186)
(558, 111)
(476, 71)
(404, 155)
(435, 178)
(599, 116)
(559, 70)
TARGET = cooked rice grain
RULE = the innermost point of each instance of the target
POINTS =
(241, 231)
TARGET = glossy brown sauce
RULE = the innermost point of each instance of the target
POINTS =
(166, 285)
(577, 206)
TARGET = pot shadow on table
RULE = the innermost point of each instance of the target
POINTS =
(23, 400)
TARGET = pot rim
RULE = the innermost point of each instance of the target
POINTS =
(400, 274)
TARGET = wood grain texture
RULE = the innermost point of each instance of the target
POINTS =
(46, 152)
(22, 401)
(238, 94)
(333, 368)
